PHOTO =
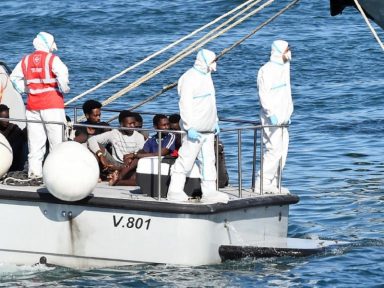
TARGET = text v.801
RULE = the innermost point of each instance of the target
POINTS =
(131, 222)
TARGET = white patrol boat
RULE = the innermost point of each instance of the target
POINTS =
(115, 226)
(120, 226)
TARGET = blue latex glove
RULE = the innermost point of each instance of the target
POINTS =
(217, 129)
(193, 134)
(273, 119)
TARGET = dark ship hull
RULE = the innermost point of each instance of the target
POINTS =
(373, 8)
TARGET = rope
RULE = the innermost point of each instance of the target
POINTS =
(225, 51)
(369, 24)
(186, 51)
(165, 89)
(176, 59)
(162, 91)
(20, 178)
(159, 52)
(221, 54)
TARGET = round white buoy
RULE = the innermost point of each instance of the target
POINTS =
(70, 171)
(6, 155)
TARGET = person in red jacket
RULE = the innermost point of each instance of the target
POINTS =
(44, 78)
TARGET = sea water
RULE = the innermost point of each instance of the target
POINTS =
(335, 163)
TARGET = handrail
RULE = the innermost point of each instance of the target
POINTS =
(257, 141)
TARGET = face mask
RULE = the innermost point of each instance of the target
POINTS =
(288, 56)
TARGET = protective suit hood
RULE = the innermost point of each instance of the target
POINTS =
(44, 42)
(204, 61)
(277, 51)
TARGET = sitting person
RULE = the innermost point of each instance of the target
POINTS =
(151, 147)
(123, 142)
(92, 111)
(174, 124)
(16, 137)
(168, 140)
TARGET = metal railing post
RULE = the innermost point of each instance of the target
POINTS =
(280, 170)
(63, 131)
(254, 158)
(159, 166)
(279, 175)
(217, 161)
(239, 164)
(261, 160)
(75, 116)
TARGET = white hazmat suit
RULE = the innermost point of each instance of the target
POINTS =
(38, 133)
(276, 107)
(199, 118)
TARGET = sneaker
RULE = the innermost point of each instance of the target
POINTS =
(268, 189)
(177, 196)
(284, 190)
(214, 197)
(271, 190)
(34, 176)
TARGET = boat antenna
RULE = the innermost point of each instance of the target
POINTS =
(221, 54)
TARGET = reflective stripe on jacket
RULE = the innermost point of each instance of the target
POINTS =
(43, 88)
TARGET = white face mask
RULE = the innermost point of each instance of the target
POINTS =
(288, 56)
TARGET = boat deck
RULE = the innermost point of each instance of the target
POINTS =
(130, 197)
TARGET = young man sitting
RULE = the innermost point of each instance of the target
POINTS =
(92, 111)
(123, 142)
(174, 124)
(151, 147)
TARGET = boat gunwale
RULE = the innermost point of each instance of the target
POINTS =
(155, 205)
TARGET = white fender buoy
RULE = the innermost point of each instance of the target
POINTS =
(71, 171)
(6, 155)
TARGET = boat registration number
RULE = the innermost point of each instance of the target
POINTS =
(131, 222)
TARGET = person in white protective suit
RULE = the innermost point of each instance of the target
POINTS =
(199, 119)
(44, 78)
(276, 107)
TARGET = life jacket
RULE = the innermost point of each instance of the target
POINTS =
(43, 88)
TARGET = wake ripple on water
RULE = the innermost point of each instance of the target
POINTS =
(291, 271)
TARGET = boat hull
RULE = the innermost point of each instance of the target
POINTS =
(89, 234)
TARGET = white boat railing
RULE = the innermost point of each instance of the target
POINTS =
(255, 128)
(257, 145)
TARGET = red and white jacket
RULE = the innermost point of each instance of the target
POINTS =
(43, 89)
(44, 77)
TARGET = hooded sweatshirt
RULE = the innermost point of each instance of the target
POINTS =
(273, 81)
(197, 94)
